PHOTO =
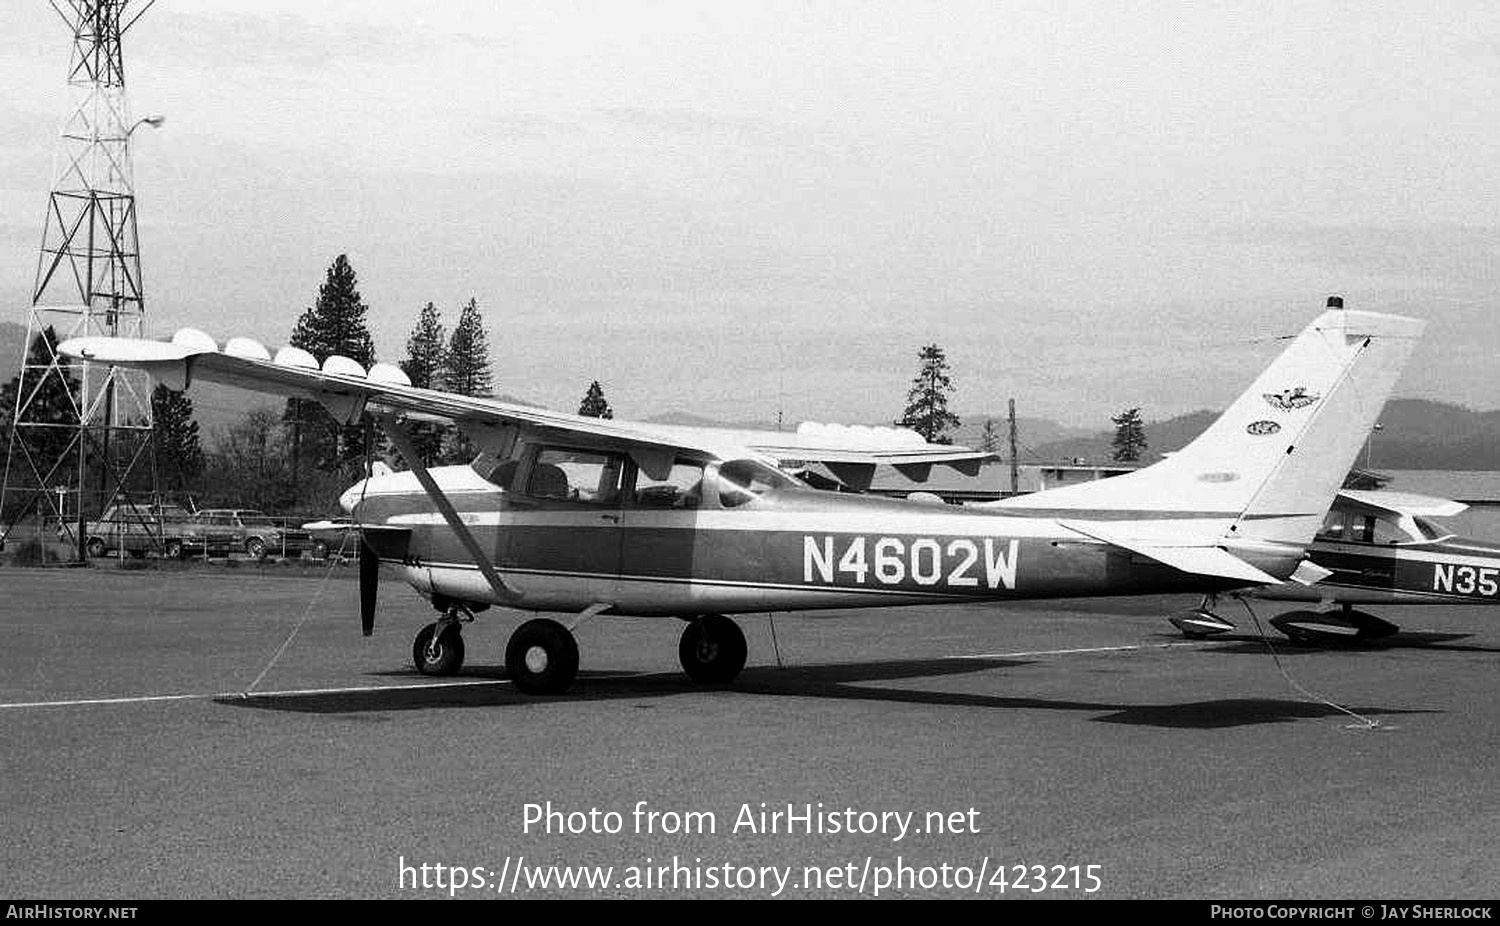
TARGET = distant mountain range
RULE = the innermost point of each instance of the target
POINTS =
(1414, 433)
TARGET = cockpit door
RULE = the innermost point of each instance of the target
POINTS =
(563, 523)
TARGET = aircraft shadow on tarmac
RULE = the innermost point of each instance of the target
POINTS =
(1413, 640)
(841, 681)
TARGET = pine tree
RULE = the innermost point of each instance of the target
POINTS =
(335, 324)
(179, 455)
(1130, 436)
(51, 402)
(594, 405)
(927, 401)
(426, 360)
(466, 372)
(426, 350)
(989, 440)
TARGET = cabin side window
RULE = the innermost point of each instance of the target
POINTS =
(585, 476)
(502, 475)
(741, 481)
(682, 488)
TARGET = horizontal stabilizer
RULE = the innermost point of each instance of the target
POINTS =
(1198, 559)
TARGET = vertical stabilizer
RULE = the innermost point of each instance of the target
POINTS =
(1269, 467)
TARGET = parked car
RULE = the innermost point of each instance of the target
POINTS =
(333, 537)
(245, 530)
(138, 529)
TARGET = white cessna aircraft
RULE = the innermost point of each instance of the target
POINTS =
(562, 513)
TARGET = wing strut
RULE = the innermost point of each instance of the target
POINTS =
(403, 443)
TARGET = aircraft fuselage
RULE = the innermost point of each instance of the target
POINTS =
(1449, 571)
(791, 549)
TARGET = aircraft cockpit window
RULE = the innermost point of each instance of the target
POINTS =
(683, 487)
(1387, 531)
(1431, 530)
(741, 481)
(1362, 528)
(577, 476)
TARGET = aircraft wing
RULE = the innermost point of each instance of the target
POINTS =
(347, 389)
(1198, 559)
(851, 453)
(1399, 503)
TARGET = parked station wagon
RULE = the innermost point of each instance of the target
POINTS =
(246, 530)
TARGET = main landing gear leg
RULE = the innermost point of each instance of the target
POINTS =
(1197, 623)
(712, 650)
(439, 647)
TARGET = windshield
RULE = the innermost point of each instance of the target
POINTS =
(741, 481)
(1432, 530)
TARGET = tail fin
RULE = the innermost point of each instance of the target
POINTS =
(1269, 467)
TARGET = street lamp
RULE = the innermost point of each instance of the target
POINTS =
(154, 121)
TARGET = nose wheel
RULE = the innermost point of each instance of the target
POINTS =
(712, 650)
(438, 649)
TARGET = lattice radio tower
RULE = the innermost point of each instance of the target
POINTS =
(80, 438)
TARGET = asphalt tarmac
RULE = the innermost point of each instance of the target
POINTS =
(162, 740)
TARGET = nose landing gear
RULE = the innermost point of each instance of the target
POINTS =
(439, 647)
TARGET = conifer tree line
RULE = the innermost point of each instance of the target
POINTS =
(300, 459)
(297, 459)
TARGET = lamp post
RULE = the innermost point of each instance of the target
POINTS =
(112, 323)
(154, 121)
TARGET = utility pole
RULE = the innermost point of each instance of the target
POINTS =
(1015, 469)
(88, 283)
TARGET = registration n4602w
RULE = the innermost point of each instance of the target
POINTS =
(957, 562)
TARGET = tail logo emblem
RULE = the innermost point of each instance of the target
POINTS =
(1262, 427)
(1289, 399)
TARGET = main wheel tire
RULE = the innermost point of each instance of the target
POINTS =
(712, 650)
(443, 657)
(96, 547)
(256, 547)
(542, 657)
(172, 549)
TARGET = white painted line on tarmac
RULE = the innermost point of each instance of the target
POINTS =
(226, 695)
(1091, 649)
(82, 702)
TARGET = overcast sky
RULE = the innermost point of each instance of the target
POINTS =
(719, 207)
